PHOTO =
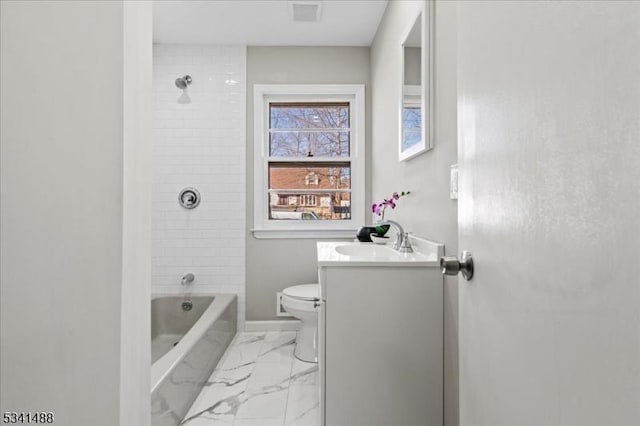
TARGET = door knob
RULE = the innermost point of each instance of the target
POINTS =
(450, 265)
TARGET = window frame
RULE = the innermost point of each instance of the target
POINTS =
(263, 94)
(305, 200)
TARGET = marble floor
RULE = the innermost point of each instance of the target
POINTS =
(258, 382)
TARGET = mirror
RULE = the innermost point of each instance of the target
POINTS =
(415, 123)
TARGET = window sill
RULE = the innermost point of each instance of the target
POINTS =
(315, 234)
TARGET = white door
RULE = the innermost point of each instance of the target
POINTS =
(549, 153)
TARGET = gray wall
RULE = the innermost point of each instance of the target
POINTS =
(428, 211)
(64, 138)
(274, 264)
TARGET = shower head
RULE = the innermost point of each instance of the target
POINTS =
(183, 82)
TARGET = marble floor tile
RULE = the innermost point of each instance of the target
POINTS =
(209, 421)
(258, 422)
(269, 375)
(303, 406)
(267, 392)
(243, 351)
(304, 373)
(221, 411)
(222, 395)
(259, 382)
(269, 403)
(277, 348)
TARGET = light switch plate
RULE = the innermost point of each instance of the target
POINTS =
(453, 182)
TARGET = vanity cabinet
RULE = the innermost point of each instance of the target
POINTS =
(380, 342)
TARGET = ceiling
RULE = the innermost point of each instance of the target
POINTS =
(265, 23)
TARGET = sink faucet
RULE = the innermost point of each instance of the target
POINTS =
(402, 243)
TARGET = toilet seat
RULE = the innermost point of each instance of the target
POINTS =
(310, 292)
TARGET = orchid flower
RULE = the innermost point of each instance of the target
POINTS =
(379, 208)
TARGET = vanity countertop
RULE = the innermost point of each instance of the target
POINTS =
(426, 254)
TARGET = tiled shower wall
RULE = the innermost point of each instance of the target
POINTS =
(200, 144)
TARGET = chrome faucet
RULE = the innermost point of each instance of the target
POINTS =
(402, 243)
(188, 279)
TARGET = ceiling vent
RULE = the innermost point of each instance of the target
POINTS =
(305, 11)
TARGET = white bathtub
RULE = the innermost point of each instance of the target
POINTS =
(186, 346)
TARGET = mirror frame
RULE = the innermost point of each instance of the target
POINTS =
(426, 13)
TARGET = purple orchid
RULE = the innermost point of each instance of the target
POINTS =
(379, 208)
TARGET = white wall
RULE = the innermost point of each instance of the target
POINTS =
(200, 144)
(274, 264)
(65, 159)
(428, 211)
(135, 353)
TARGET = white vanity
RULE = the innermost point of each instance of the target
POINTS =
(380, 336)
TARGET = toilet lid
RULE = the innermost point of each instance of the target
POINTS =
(303, 291)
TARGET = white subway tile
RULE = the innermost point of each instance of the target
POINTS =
(200, 144)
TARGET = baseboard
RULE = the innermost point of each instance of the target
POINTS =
(276, 325)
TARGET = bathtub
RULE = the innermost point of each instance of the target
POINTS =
(185, 348)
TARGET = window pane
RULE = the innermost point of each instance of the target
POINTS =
(410, 139)
(309, 192)
(330, 205)
(309, 115)
(411, 126)
(317, 176)
(309, 144)
(412, 118)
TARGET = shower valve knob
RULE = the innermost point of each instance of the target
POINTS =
(189, 198)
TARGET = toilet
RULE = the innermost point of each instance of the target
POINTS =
(301, 301)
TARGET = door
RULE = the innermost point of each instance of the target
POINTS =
(549, 153)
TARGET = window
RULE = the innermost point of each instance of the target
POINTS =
(411, 117)
(308, 200)
(309, 151)
(311, 179)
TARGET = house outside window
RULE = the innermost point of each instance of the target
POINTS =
(309, 146)
(308, 200)
(311, 179)
(325, 201)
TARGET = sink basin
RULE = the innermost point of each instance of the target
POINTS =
(356, 254)
(370, 251)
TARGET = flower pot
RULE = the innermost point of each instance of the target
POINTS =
(363, 234)
(376, 239)
(381, 230)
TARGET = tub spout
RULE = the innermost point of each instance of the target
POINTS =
(188, 279)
